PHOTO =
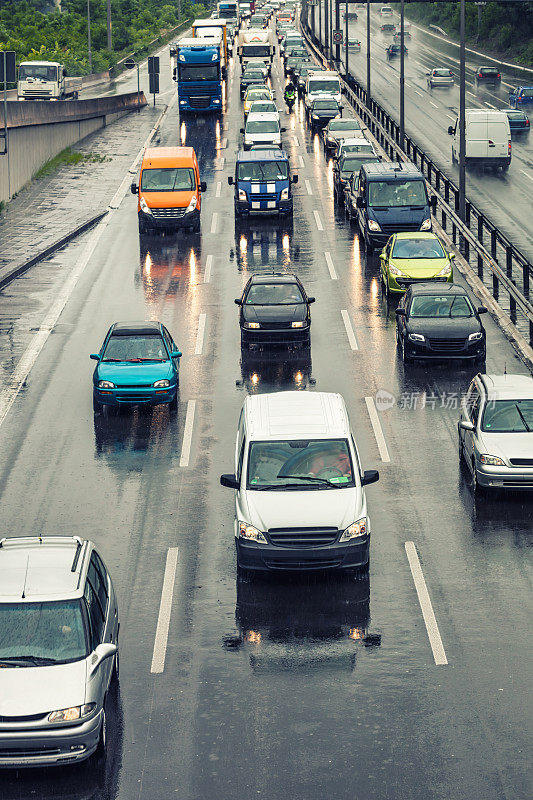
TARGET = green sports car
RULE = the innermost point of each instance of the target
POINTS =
(408, 258)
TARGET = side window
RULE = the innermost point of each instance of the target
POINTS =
(96, 618)
(240, 460)
(98, 583)
(168, 340)
(473, 401)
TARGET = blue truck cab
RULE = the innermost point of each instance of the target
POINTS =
(521, 97)
(197, 68)
(391, 198)
(263, 183)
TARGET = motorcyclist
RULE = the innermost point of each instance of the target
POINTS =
(290, 94)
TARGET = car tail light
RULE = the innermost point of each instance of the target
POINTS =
(498, 75)
(509, 147)
(527, 122)
(451, 74)
(480, 74)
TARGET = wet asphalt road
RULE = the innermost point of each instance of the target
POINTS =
(504, 197)
(309, 688)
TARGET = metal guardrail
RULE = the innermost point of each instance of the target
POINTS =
(470, 236)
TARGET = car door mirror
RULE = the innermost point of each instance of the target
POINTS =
(230, 180)
(241, 130)
(482, 310)
(466, 425)
(369, 476)
(95, 356)
(295, 178)
(451, 130)
(360, 202)
(134, 188)
(176, 354)
(203, 186)
(451, 256)
(101, 654)
(238, 301)
(283, 130)
(230, 481)
(400, 312)
(311, 300)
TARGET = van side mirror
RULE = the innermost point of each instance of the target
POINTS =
(282, 130)
(134, 188)
(451, 130)
(64, 73)
(466, 425)
(238, 301)
(295, 178)
(369, 476)
(400, 312)
(360, 202)
(241, 130)
(482, 310)
(230, 481)
(451, 256)
(95, 356)
(311, 299)
(203, 186)
(230, 180)
(433, 202)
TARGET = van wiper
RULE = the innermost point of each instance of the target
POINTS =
(22, 661)
(307, 478)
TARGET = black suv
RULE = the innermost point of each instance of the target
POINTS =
(321, 112)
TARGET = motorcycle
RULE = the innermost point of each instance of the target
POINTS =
(290, 99)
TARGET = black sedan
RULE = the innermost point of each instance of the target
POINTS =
(488, 75)
(394, 51)
(518, 121)
(388, 28)
(252, 77)
(294, 62)
(274, 310)
(439, 323)
(321, 112)
(343, 170)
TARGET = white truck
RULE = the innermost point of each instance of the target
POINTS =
(321, 84)
(487, 138)
(256, 43)
(46, 80)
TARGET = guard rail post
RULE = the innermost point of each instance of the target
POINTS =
(480, 222)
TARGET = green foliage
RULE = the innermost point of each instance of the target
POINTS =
(67, 157)
(505, 28)
(62, 36)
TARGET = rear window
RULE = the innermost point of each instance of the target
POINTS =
(488, 71)
(516, 115)
(442, 73)
(173, 179)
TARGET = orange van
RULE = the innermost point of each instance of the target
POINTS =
(169, 190)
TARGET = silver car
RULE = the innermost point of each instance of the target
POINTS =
(496, 432)
(440, 78)
(58, 650)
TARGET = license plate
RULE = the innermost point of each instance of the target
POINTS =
(256, 206)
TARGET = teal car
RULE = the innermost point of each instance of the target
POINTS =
(138, 364)
(410, 258)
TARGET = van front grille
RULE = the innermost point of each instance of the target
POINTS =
(302, 537)
(168, 213)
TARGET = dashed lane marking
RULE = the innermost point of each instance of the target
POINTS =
(165, 607)
(378, 430)
(308, 187)
(200, 335)
(331, 267)
(187, 434)
(208, 268)
(433, 104)
(318, 220)
(219, 189)
(214, 222)
(527, 174)
(432, 628)
(349, 330)
(301, 161)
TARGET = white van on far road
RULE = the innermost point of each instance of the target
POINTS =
(299, 487)
(488, 139)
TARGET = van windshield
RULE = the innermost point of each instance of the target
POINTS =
(174, 179)
(255, 50)
(263, 171)
(38, 634)
(328, 86)
(302, 464)
(393, 194)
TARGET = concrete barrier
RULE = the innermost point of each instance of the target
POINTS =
(40, 129)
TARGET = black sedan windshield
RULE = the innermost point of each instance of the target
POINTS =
(441, 306)
(34, 634)
(135, 348)
(274, 294)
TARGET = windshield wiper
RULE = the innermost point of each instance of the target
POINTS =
(36, 661)
(526, 426)
(140, 360)
(307, 478)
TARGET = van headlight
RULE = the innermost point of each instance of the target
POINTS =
(446, 270)
(144, 206)
(247, 531)
(71, 714)
(252, 325)
(192, 204)
(285, 194)
(356, 530)
(373, 225)
(426, 225)
(299, 324)
(242, 195)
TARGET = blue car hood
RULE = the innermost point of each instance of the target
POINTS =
(133, 374)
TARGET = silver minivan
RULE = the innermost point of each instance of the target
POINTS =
(299, 487)
(58, 650)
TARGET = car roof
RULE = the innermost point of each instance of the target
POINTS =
(42, 568)
(508, 386)
(168, 157)
(393, 170)
(257, 116)
(275, 277)
(131, 328)
(438, 288)
(296, 415)
(262, 155)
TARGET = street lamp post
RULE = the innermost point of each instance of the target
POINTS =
(346, 37)
(402, 74)
(368, 53)
(462, 114)
(89, 35)
(109, 36)
(337, 27)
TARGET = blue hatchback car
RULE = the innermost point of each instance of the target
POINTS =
(138, 364)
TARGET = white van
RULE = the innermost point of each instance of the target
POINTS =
(299, 488)
(262, 128)
(488, 138)
(322, 84)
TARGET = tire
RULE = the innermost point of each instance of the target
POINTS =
(460, 451)
(479, 491)
(115, 675)
(369, 248)
(173, 405)
(97, 406)
(101, 750)
(142, 227)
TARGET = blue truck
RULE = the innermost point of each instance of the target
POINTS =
(197, 69)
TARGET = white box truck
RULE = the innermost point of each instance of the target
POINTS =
(256, 43)
(46, 80)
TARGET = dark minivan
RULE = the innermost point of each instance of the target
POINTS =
(392, 198)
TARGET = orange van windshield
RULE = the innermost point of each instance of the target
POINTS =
(174, 179)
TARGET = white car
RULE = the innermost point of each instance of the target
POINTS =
(442, 78)
(385, 11)
(262, 129)
(355, 145)
(300, 500)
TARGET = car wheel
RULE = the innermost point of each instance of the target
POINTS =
(101, 749)
(173, 405)
(97, 406)
(369, 248)
(459, 445)
(479, 490)
(116, 667)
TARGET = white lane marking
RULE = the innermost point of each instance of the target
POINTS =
(219, 189)
(349, 330)
(527, 174)
(296, 142)
(490, 105)
(200, 335)
(301, 161)
(331, 267)
(433, 104)
(318, 220)
(187, 434)
(471, 93)
(450, 117)
(214, 221)
(419, 93)
(165, 608)
(378, 430)
(208, 268)
(425, 604)
(308, 187)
